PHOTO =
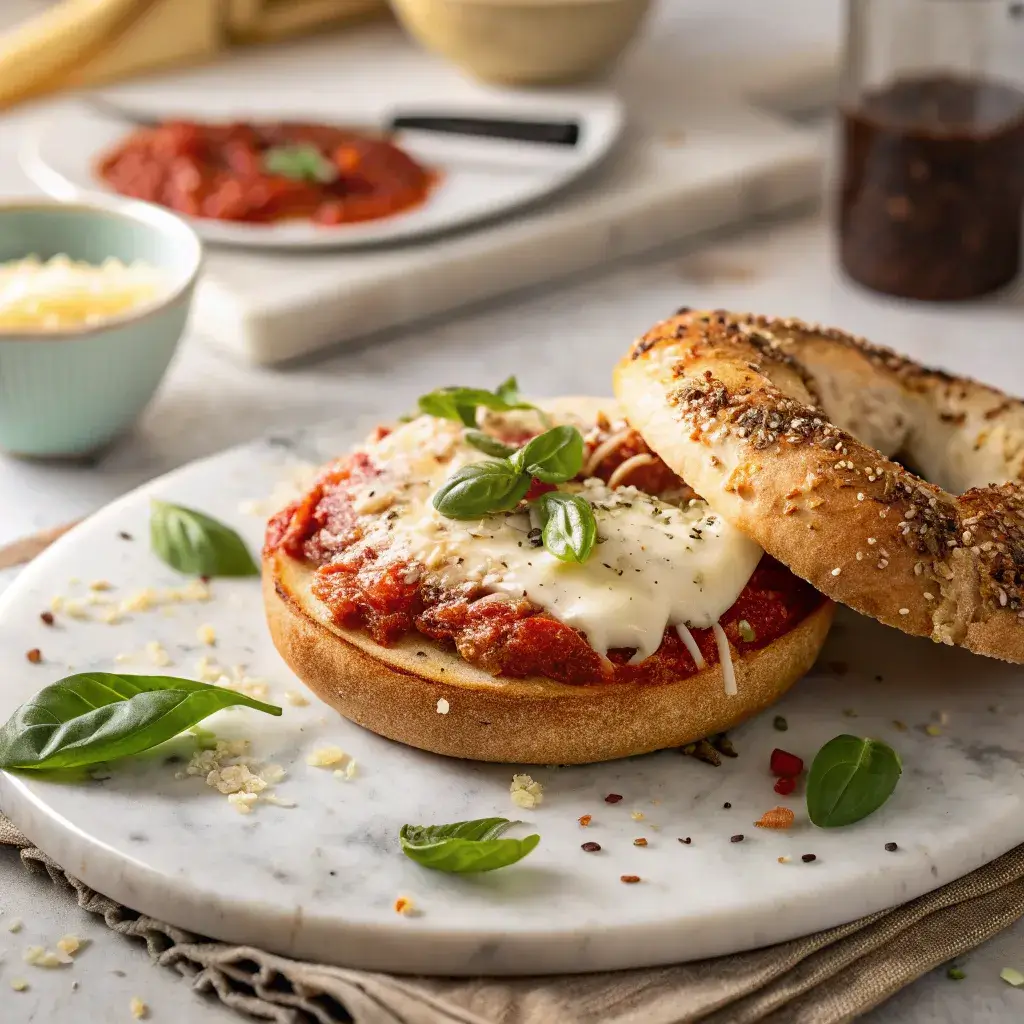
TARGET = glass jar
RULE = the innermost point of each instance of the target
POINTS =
(931, 198)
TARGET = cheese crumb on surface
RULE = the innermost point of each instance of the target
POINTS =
(140, 1011)
(100, 585)
(157, 653)
(37, 956)
(242, 802)
(19, 984)
(348, 772)
(326, 757)
(525, 792)
(443, 706)
(637, 815)
(297, 700)
(69, 945)
(206, 634)
(14, 926)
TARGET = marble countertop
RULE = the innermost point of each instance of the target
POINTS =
(558, 340)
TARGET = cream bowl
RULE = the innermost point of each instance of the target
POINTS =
(70, 391)
(524, 42)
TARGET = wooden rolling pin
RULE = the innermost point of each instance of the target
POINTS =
(24, 549)
(86, 42)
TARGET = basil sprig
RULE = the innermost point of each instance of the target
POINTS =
(302, 162)
(196, 544)
(554, 456)
(94, 717)
(487, 444)
(465, 846)
(461, 404)
(568, 527)
(479, 489)
(849, 779)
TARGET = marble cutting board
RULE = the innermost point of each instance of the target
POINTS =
(319, 880)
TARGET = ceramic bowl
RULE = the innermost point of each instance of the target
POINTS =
(524, 42)
(69, 392)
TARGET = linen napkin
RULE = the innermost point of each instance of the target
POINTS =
(827, 978)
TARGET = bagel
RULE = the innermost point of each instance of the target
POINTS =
(800, 436)
(450, 693)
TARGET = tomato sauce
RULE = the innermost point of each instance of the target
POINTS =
(507, 637)
(337, 176)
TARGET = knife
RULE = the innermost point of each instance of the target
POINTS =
(547, 133)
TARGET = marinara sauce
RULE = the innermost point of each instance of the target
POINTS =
(267, 172)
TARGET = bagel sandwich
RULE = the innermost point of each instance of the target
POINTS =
(807, 439)
(504, 583)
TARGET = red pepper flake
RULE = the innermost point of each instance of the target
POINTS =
(591, 847)
(47, 618)
(613, 798)
(891, 847)
(727, 806)
(629, 879)
(686, 841)
(785, 764)
(35, 655)
(204, 579)
(785, 786)
(809, 858)
(640, 842)
(777, 817)
(736, 839)
(584, 820)
(124, 535)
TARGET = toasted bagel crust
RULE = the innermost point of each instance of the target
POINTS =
(785, 428)
(394, 691)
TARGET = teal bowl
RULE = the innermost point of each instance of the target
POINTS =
(69, 392)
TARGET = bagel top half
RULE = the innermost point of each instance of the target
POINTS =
(800, 435)
(469, 638)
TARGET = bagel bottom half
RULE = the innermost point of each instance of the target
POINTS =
(394, 691)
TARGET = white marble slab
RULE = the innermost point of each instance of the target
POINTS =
(319, 881)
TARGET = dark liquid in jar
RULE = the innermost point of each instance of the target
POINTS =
(933, 188)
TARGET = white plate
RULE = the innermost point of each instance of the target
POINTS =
(480, 179)
(319, 881)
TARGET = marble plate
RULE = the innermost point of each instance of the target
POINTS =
(319, 880)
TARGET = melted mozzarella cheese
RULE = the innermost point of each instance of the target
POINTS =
(656, 565)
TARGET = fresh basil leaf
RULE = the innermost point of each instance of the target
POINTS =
(465, 846)
(849, 779)
(92, 717)
(479, 489)
(487, 444)
(302, 162)
(460, 404)
(568, 527)
(197, 545)
(554, 456)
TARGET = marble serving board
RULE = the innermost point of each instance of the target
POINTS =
(319, 880)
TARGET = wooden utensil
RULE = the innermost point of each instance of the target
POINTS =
(24, 549)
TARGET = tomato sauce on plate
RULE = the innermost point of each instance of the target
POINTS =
(267, 172)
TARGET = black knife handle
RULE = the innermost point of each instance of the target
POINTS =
(551, 133)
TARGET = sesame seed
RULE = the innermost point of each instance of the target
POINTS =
(591, 847)
(836, 571)
(860, 495)
(904, 611)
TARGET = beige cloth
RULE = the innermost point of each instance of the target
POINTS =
(827, 978)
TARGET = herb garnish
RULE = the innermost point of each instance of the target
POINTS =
(465, 846)
(487, 444)
(93, 717)
(849, 779)
(568, 527)
(196, 544)
(461, 404)
(302, 162)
